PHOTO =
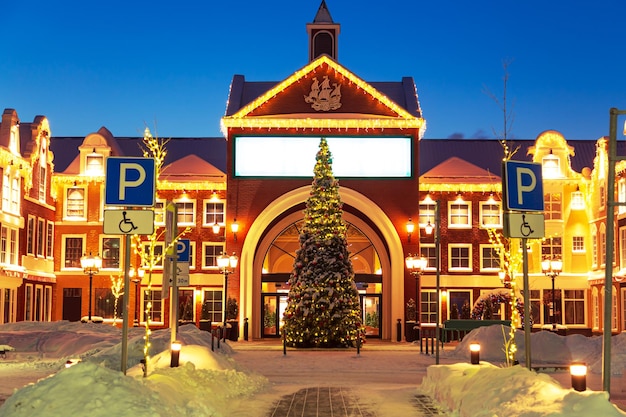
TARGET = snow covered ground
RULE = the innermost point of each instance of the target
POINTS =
(247, 380)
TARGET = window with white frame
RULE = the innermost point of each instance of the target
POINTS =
(460, 257)
(428, 306)
(159, 213)
(535, 306)
(110, 252)
(11, 198)
(574, 306)
(594, 246)
(8, 245)
(152, 299)
(595, 306)
(50, 239)
(489, 258)
(490, 214)
(186, 213)
(602, 196)
(106, 306)
(43, 172)
(30, 235)
(212, 309)
(602, 244)
(75, 203)
(552, 247)
(155, 253)
(213, 212)
(428, 251)
(552, 206)
(427, 213)
(41, 237)
(578, 244)
(621, 195)
(459, 215)
(210, 252)
(551, 166)
(192, 255)
(73, 249)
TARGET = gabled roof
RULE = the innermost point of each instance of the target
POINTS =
(292, 102)
(456, 170)
(191, 168)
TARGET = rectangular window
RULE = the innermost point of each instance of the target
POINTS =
(73, 252)
(47, 304)
(157, 256)
(210, 253)
(551, 247)
(42, 183)
(105, 305)
(459, 215)
(186, 213)
(11, 197)
(460, 257)
(602, 196)
(213, 212)
(489, 258)
(6, 191)
(574, 306)
(15, 195)
(621, 196)
(41, 237)
(75, 202)
(429, 252)
(427, 214)
(28, 303)
(13, 249)
(578, 243)
(490, 215)
(535, 306)
(152, 300)
(111, 252)
(428, 307)
(159, 213)
(212, 306)
(4, 245)
(30, 237)
(594, 248)
(50, 240)
(552, 206)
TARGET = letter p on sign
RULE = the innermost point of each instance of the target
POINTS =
(523, 186)
(130, 182)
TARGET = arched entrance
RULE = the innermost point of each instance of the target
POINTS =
(368, 218)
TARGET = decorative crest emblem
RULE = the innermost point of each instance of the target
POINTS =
(323, 97)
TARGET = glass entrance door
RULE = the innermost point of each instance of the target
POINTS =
(274, 305)
(371, 314)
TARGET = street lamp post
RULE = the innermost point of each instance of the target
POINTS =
(136, 280)
(227, 265)
(429, 230)
(416, 267)
(91, 265)
(552, 268)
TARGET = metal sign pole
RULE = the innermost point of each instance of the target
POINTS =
(126, 300)
(526, 302)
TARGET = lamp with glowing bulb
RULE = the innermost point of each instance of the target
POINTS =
(410, 228)
(552, 267)
(216, 228)
(227, 265)
(91, 265)
(234, 227)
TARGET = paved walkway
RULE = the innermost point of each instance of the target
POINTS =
(342, 389)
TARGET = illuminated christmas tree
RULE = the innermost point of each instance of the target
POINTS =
(323, 308)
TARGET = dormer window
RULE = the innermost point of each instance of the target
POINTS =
(94, 163)
(551, 166)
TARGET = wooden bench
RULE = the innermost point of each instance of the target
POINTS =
(456, 329)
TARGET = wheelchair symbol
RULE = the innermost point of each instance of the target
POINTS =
(126, 224)
(525, 228)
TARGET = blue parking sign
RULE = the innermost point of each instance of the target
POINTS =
(183, 250)
(523, 186)
(130, 182)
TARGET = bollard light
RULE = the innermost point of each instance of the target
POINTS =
(474, 353)
(175, 349)
(578, 371)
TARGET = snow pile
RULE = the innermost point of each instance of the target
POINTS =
(486, 390)
(207, 382)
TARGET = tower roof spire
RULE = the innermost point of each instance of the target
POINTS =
(323, 15)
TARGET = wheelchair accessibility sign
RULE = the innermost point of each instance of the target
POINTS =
(524, 225)
(128, 222)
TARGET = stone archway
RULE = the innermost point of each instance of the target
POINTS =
(392, 265)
